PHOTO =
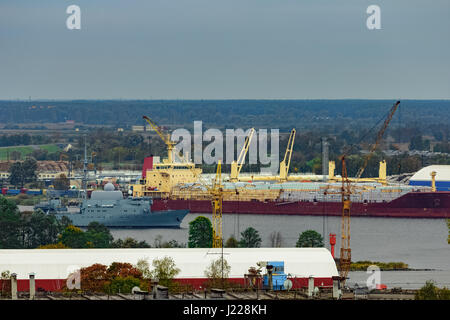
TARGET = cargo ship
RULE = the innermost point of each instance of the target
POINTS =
(174, 186)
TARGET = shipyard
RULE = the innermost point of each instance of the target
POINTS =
(228, 159)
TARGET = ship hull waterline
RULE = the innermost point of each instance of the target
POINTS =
(424, 205)
(155, 219)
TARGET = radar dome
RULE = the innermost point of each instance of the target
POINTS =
(109, 187)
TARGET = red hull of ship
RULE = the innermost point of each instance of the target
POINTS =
(412, 205)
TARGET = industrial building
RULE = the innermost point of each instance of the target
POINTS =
(52, 267)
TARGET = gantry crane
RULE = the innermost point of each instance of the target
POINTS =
(346, 192)
(236, 166)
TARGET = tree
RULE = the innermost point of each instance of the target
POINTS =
(61, 182)
(42, 229)
(217, 270)
(164, 270)
(250, 238)
(310, 239)
(94, 278)
(200, 233)
(144, 267)
(22, 172)
(231, 242)
(73, 237)
(29, 170)
(16, 174)
(121, 269)
(99, 235)
(122, 284)
(428, 292)
(129, 243)
(58, 245)
(10, 224)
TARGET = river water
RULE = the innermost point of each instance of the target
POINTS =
(421, 243)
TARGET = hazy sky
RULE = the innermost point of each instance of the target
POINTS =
(211, 49)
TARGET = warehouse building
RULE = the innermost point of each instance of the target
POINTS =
(52, 267)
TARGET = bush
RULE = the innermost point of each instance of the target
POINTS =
(430, 292)
(122, 285)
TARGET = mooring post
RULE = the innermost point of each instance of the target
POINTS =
(32, 286)
(310, 286)
(14, 286)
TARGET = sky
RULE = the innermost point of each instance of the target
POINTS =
(227, 49)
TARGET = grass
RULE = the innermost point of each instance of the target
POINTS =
(25, 150)
(385, 266)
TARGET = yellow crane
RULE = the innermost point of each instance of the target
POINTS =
(165, 137)
(236, 166)
(284, 165)
(377, 141)
(216, 191)
(346, 192)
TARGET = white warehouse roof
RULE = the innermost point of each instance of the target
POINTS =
(59, 263)
(442, 173)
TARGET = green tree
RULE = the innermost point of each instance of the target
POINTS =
(42, 229)
(122, 284)
(74, 237)
(164, 270)
(16, 174)
(29, 169)
(22, 172)
(309, 239)
(10, 224)
(99, 235)
(428, 292)
(231, 242)
(250, 238)
(200, 233)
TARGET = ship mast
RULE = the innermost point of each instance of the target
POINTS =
(85, 171)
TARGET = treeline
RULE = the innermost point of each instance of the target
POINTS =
(30, 230)
(23, 139)
(283, 114)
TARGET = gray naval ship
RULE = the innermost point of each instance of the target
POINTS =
(109, 208)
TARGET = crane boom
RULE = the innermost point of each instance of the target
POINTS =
(164, 137)
(284, 165)
(236, 166)
(377, 142)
